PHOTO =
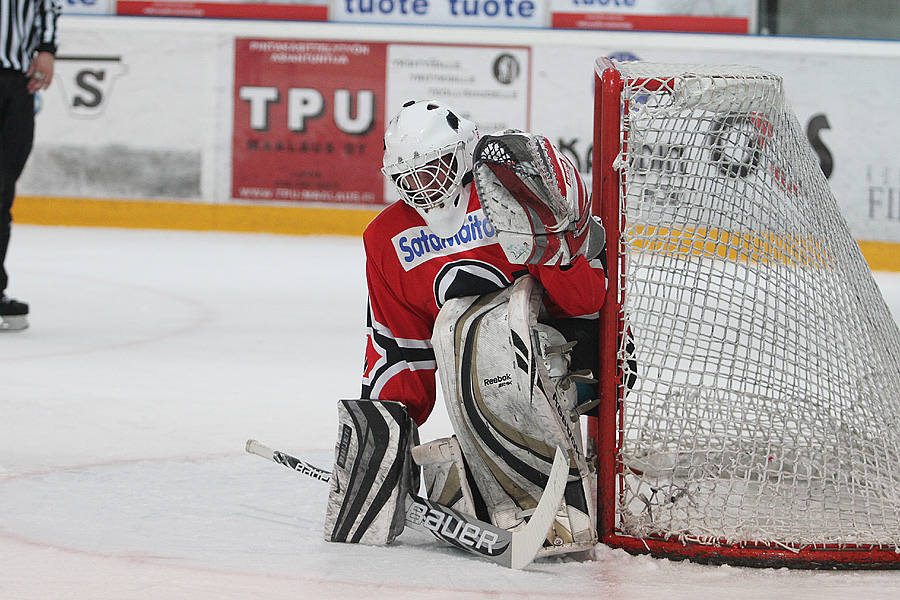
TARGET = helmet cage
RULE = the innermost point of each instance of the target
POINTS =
(431, 179)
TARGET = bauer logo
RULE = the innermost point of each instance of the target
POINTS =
(417, 245)
(452, 528)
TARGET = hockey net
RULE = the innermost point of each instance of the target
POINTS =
(764, 424)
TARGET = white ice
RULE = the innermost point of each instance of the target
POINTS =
(154, 355)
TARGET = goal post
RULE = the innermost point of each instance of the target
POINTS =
(763, 425)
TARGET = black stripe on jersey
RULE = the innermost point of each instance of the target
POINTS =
(27, 25)
(391, 353)
(461, 278)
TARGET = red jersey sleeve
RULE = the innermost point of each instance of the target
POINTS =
(575, 290)
(399, 363)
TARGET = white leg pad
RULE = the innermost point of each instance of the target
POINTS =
(505, 380)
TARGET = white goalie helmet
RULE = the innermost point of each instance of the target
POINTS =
(428, 158)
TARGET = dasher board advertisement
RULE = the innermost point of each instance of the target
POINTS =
(308, 120)
(120, 122)
(309, 117)
(490, 85)
(721, 16)
(469, 13)
(858, 158)
(288, 10)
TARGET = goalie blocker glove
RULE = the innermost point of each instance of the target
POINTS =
(373, 472)
(535, 199)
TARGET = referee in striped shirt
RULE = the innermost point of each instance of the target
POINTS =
(27, 54)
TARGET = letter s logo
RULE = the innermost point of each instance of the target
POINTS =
(86, 82)
(816, 124)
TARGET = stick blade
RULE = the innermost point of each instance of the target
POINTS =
(527, 541)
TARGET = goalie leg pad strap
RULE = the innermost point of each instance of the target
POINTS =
(444, 473)
(505, 380)
(373, 472)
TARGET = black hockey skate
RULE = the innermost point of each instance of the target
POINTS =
(13, 314)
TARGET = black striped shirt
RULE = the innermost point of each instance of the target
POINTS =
(26, 27)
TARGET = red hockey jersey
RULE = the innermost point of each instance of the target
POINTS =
(411, 273)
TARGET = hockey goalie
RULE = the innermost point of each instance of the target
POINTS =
(488, 272)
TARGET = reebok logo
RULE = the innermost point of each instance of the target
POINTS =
(500, 381)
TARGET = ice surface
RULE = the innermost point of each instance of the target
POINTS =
(151, 358)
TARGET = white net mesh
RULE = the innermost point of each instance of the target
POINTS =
(767, 403)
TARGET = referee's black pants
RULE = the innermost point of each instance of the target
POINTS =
(16, 138)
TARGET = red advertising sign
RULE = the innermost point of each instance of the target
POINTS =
(308, 121)
(635, 22)
(722, 16)
(223, 10)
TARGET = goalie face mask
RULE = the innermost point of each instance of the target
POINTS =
(428, 159)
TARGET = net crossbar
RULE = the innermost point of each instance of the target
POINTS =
(764, 424)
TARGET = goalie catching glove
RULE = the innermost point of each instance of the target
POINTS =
(535, 199)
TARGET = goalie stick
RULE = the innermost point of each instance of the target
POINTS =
(514, 549)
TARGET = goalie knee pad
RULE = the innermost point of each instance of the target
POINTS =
(373, 472)
(512, 400)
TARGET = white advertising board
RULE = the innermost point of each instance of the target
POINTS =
(843, 102)
(471, 13)
(129, 114)
(487, 84)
